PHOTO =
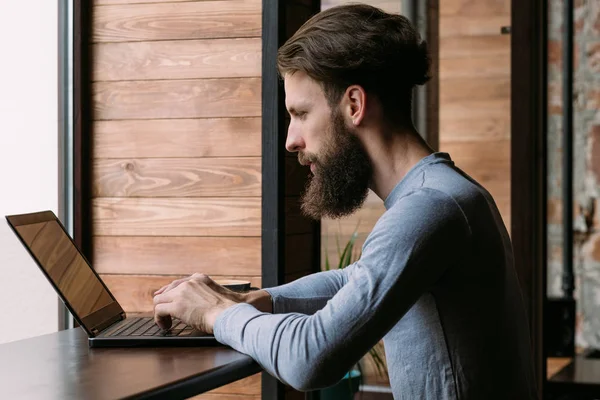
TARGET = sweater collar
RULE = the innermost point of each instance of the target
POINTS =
(406, 182)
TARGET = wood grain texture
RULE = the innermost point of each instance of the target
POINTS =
(484, 67)
(474, 47)
(187, 59)
(177, 216)
(204, 98)
(175, 177)
(475, 92)
(474, 8)
(474, 110)
(248, 386)
(391, 6)
(173, 21)
(135, 292)
(465, 25)
(170, 75)
(66, 368)
(555, 364)
(218, 137)
(457, 90)
(223, 396)
(484, 160)
(111, 2)
(489, 164)
(468, 130)
(177, 255)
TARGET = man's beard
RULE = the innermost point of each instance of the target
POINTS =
(342, 176)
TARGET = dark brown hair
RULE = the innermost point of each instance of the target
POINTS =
(363, 45)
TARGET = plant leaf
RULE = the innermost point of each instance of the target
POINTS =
(378, 359)
(347, 256)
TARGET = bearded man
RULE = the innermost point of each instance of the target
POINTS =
(435, 280)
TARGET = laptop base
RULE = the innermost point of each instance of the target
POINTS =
(154, 341)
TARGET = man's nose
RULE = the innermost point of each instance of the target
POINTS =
(294, 142)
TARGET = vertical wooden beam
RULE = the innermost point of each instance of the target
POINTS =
(528, 169)
(273, 167)
(82, 99)
(280, 20)
(273, 144)
(432, 88)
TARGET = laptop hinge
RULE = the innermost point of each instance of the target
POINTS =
(105, 324)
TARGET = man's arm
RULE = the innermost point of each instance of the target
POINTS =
(410, 248)
(306, 295)
(198, 300)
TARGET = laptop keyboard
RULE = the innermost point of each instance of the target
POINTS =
(147, 327)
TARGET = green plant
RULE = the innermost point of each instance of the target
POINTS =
(348, 256)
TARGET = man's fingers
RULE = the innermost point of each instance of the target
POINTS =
(162, 315)
(172, 285)
(162, 289)
(202, 277)
(163, 310)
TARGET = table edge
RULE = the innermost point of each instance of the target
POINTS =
(204, 382)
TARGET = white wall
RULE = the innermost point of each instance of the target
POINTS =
(28, 158)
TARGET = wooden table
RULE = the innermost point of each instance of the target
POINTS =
(555, 364)
(578, 376)
(62, 366)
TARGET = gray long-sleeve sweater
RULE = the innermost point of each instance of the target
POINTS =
(435, 280)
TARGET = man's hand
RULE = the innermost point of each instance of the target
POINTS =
(196, 300)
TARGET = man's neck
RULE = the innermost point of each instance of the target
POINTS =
(392, 156)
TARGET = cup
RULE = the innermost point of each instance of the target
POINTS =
(235, 285)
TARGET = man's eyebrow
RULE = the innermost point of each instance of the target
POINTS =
(296, 108)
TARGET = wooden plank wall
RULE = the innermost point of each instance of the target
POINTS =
(475, 92)
(176, 147)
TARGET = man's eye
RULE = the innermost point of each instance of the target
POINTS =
(301, 114)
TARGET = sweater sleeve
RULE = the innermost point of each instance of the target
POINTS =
(409, 249)
(308, 294)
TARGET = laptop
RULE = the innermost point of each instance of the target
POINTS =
(87, 296)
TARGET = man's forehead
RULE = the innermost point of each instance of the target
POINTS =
(300, 88)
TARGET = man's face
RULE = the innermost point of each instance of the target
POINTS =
(340, 165)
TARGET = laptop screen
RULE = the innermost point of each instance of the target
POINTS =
(65, 267)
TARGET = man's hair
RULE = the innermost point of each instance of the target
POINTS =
(363, 45)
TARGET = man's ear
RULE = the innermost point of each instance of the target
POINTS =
(355, 98)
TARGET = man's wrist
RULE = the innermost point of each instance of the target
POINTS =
(259, 299)
(213, 314)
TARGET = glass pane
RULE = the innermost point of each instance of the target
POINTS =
(474, 104)
(336, 233)
(585, 169)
